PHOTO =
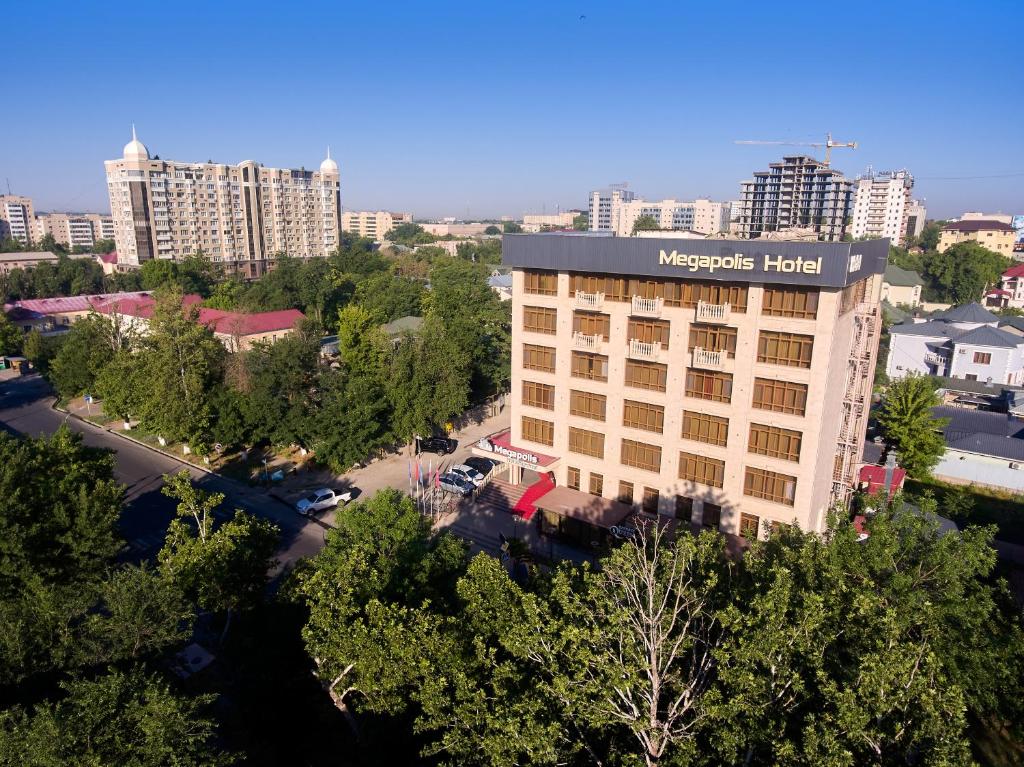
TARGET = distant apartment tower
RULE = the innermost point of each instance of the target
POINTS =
(797, 193)
(916, 215)
(240, 216)
(16, 217)
(704, 216)
(881, 203)
(74, 230)
(372, 224)
(605, 206)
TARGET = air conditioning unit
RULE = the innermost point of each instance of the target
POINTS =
(1014, 465)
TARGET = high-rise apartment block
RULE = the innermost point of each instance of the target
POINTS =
(881, 204)
(917, 213)
(797, 193)
(605, 207)
(240, 216)
(723, 382)
(16, 218)
(373, 224)
(704, 216)
(74, 229)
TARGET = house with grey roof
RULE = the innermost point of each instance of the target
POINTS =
(964, 342)
(901, 287)
(982, 448)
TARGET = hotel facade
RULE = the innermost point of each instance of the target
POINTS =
(722, 382)
(241, 216)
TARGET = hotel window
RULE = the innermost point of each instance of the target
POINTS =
(788, 349)
(538, 319)
(650, 500)
(586, 442)
(780, 396)
(596, 484)
(700, 468)
(536, 430)
(715, 293)
(591, 324)
(770, 485)
(799, 303)
(983, 358)
(587, 405)
(640, 455)
(626, 492)
(539, 395)
(641, 415)
(684, 508)
(613, 288)
(711, 516)
(541, 283)
(774, 442)
(713, 386)
(749, 525)
(593, 367)
(649, 331)
(572, 478)
(702, 427)
(540, 358)
(646, 375)
(713, 339)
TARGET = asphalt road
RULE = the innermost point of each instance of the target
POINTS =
(26, 408)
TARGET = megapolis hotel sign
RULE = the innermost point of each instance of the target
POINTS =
(827, 264)
(741, 263)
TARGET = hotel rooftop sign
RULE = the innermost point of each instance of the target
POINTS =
(825, 264)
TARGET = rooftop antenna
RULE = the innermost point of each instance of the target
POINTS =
(8, 185)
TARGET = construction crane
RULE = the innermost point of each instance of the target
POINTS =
(829, 145)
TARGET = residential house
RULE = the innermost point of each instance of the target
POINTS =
(1010, 292)
(901, 287)
(994, 235)
(982, 448)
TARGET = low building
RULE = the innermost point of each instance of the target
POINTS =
(501, 284)
(994, 235)
(455, 230)
(1010, 292)
(25, 259)
(964, 342)
(982, 448)
(372, 224)
(451, 247)
(977, 215)
(408, 325)
(538, 222)
(61, 311)
(901, 287)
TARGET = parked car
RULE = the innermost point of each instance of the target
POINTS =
(483, 465)
(439, 445)
(453, 483)
(321, 499)
(468, 473)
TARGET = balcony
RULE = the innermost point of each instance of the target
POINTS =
(936, 359)
(709, 360)
(589, 300)
(586, 342)
(647, 307)
(712, 312)
(643, 350)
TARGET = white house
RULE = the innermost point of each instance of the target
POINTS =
(964, 342)
(982, 448)
(1010, 291)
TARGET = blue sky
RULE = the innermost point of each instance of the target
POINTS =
(476, 109)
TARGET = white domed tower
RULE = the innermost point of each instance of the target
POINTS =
(135, 149)
(329, 165)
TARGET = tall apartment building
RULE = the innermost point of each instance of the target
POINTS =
(16, 218)
(372, 224)
(723, 382)
(240, 216)
(605, 207)
(881, 204)
(917, 213)
(702, 216)
(73, 229)
(797, 193)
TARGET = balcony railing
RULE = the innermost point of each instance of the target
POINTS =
(935, 359)
(644, 350)
(589, 300)
(649, 307)
(704, 358)
(584, 341)
(712, 312)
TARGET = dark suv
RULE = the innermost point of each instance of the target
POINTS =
(439, 445)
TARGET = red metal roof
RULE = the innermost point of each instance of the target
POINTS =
(218, 320)
(998, 292)
(62, 304)
(1017, 270)
(874, 479)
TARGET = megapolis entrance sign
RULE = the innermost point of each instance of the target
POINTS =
(515, 456)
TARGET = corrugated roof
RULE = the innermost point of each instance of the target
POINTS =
(976, 225)
(62, 304)
(982, 432)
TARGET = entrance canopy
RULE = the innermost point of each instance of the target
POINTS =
(499, 447)
(599, 512)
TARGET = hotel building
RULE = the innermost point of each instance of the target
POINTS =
(723, 382)
(241, 216)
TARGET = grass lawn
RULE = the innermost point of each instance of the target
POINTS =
(991, 507)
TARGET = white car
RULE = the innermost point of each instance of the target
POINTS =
(468, 473)
(452, 483)
(321, 499)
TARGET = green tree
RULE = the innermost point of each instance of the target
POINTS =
(492, 229)
(511, 227)
(11, 338)
(961, 273)
(104, 246)
(40, 350)
(581, 222)
(197, 274)
(389, 297)
(929, 238)
(409, 234)
(86, 350)
(121, 385)
(158, 273)
(226, 295)
(126, 718)
(481, 251)
(906, 418)
(645, 223)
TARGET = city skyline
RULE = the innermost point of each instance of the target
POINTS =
(564, 100)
